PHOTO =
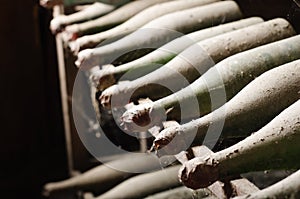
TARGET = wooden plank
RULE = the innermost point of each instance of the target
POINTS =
(217, 189)
(243, 187)
(201, 151)
(57, 10)
(88, 196)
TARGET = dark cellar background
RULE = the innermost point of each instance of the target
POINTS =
(32, 138)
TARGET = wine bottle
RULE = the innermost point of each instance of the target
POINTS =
(148, 63)
(111, 19)
(252, 108)
(132, 24)
(231, 74)
(145, 184)
(275, 146)
(286, 188)
(194, 61)
(161, 31)
(95, 10)
(106, 176)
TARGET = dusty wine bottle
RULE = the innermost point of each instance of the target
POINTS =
(232, 74)
(95, 10)
(253, 107)
(145, 184)
(194, 61)
(106, 176)
(135, 22)
(111, 19)
(148, 63)
(286, 188)
(161, 31)
(275, 146)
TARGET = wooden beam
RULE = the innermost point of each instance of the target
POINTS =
(57, 10)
